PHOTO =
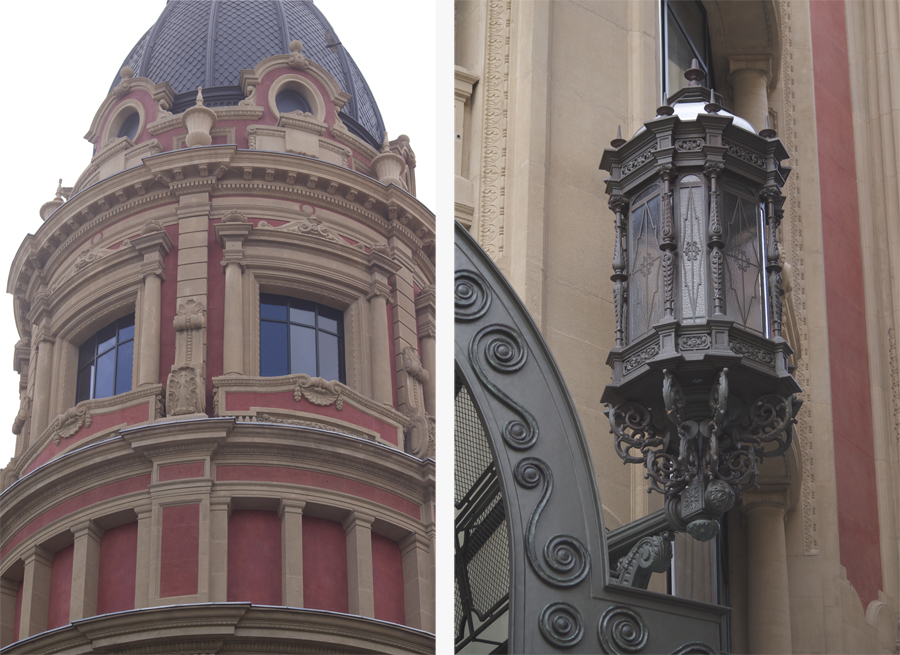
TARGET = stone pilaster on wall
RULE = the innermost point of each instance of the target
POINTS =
(381, 269)
(40, 408)
(230, 234)
(219, 511)
(153, 244)
(35, 592)
(144, 553)
(9, 589)
(85, 570)
(360, 588)
(426, 307)
(418, 590)
(291, 513)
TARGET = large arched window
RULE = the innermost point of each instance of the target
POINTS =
(298, 336)
(105, 361)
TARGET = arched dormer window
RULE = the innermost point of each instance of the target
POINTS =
(685, 35)
(105, 361)
(298, 336)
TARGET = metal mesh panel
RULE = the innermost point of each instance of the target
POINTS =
(482, 540)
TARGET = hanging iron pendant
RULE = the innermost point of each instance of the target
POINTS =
(700, 392)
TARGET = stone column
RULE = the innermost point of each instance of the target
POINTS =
(9, 589)
(36, 592)
(142, 570)
(219, 511)
(750, 76)
(291, 514)
(464, 81)
(153, 244)
(418, 587)
(361, 596)
(40, 408)
(230, 234)
(425, 318)
(85, 570)
(768, 602)
(381, 267)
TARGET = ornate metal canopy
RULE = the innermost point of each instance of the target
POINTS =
(524, 470)
(701, 390)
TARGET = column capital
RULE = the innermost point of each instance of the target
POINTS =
(381, 261)
(760, 63)
(290, 506)
(767, 496)
(357, 519)
(38, 555)
(414, 540)
(9, 587)
(153, 240)
(463, 83)
(87, 528)
(379, 289)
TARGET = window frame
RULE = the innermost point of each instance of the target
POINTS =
(705, 61)
(317, 308)
(92, 362)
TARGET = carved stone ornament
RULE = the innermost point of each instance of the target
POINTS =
(307, 226)
(297, 59)
(190, 316)
(250, 100)
(420, 436)
(234, 216)
(184, 391)
(150, 227)
(69, 422)
(22, 415)
(319, 391)
(413, 365)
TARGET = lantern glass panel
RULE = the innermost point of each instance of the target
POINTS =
(743, 256)
(692, 230)
(644, 265)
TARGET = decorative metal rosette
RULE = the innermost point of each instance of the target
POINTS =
(622, 630)
(561, 624)
(471, 295)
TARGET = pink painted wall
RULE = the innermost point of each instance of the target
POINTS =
(60, 588)
(854, 449)
(118, 569)
(181, 471)
(319, 480)
(387, 579)
(254, 557)
(324, 565)
(179, 560)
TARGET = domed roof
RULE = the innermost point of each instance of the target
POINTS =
(208, 44)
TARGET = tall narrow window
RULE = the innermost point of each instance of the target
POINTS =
(297, 336)
(105, 361)
(685, 37)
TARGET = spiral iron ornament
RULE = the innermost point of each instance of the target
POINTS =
(561, 624)
(471, 296)
(622, 630)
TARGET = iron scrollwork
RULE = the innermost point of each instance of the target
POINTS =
(561, 624)
(471, 296)
(648, 556)
(622, 630)
(566, 557)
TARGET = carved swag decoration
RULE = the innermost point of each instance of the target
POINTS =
(69, 423)
(319, 391)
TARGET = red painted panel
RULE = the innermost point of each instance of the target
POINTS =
(60, 588)
(215, 319)
(390, 320)
(118, 569)
(18, 611)
(242, 401)
(319, 480)
(99, 423)
(180, 471)
(179, 559)
(851, 407)
(254, 557)
(324, 565)
(387, 579)
(95, 495)
(168, 299)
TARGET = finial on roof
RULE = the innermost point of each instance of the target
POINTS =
(59, 189)
(712, 106)
(694, 74)
(768, 133)
(296, 46)
(386, 146)
(618, 142)
(199, 102)
(665, 109)
(127, 72)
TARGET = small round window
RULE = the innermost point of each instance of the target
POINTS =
(130, 125)
(290, 100)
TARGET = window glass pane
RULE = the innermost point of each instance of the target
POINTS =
(273, 354)
(644, 267)
(123, 369)
(680, 55)
(103, 385)
(273, 308)
(86, 352)
(329, 357)
(303, 315)
(329, 321)
(690, 15)
(126, 328)
(84, 384)
(303, 350)
(106, 338)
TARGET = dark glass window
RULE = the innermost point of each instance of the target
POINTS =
(105, 361)
(686, 37)
(130, 126)
(290, 100)
(297, 336)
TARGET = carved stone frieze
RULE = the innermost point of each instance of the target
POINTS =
(745, 155)
(307, 226)
(689, 145)
(750, 351)
(639, 160)
(319, 391)
(693, 342)
(640, 357)
(70, 422)
(185, 391)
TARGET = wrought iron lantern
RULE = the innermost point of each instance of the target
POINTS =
(701, 389)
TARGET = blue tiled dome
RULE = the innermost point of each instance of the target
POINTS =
(208, 44)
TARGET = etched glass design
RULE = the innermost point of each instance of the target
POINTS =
(297, 336)
(644, 264)
(743, 259)
(692, 250)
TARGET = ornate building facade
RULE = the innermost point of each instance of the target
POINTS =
(225, 440)
(808, 562)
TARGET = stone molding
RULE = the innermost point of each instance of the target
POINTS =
(768, 496)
